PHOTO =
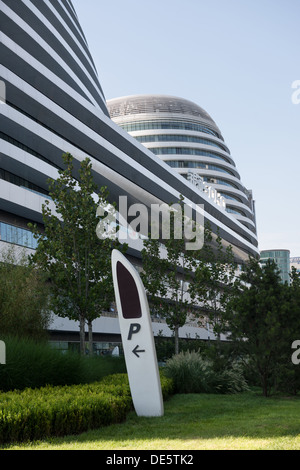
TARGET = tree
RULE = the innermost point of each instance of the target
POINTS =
(167, 273)
(289, 372)
(214, 274)
(77, 262)
(256, 317)
(24, 308)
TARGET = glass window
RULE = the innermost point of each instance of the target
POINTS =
(178, 138)
(17, 236)
(219, 181)
(190, 164)
(189, 126)
(233, 198)
(235, 211)
(24, 147)
(19, 181)
(186, 151)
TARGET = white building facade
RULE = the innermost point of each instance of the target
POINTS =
(52, 103)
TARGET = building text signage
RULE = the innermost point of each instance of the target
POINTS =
(199, 182)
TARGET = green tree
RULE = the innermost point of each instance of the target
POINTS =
(77, 262)
(214, 274)
(167, 273)
(24, 293)
(289, 367)
(256, 317)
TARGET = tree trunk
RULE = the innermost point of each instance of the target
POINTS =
(176, 336)
(90, 327)
(82, 334)
(264, 381)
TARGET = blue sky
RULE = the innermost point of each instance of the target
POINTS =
(235, 58)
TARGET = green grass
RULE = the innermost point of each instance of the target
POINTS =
(197, 422)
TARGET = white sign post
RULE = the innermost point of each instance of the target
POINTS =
(2, 353)
(137, 338)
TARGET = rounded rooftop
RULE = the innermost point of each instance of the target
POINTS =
(155, 104)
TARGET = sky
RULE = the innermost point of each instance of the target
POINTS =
(237, 59)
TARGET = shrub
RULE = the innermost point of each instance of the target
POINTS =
(193, 374)
(57, 411)
(122, 379)
(230, 380)
(32, 364)
(167, 385)
(23, 296)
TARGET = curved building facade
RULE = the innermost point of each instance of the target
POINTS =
(54, 103)
(282, 260)
(51, 102)
(183, 135)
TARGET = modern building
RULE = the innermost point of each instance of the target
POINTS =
(295, 262)
(182, 134)
(51, 103)
(281, 258)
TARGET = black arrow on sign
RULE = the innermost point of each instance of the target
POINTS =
(136, 351)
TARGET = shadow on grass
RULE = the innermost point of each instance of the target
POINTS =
(194, 419)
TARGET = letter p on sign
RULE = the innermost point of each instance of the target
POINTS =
(137, 338)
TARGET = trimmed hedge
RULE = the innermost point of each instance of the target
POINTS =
(34, 414)
(122, 380)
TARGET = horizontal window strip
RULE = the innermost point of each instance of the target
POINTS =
(22, 182)
(51, 22)
(185, 151)
(60, 65)
(45, 81)
(17, 236)
(27, 149)
(178, 138)
(191, 164)
(148, 125)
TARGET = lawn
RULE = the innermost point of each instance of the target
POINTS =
(245, 421)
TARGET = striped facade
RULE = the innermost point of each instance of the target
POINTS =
(53, 104)
(183, 135)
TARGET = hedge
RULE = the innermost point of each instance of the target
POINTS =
(34, 414)
(31, 364)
